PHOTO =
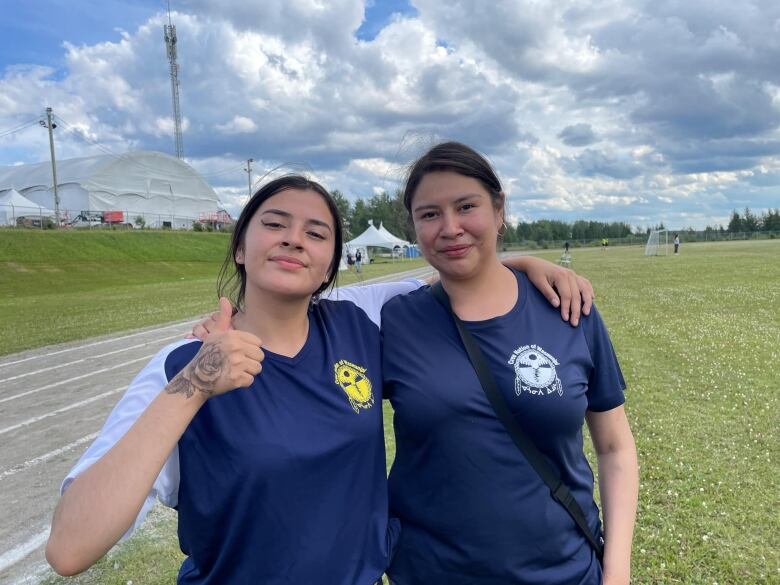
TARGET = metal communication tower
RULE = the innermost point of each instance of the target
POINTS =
(170, 44)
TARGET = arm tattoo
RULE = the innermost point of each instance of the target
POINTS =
(201, 373)
(180, 385)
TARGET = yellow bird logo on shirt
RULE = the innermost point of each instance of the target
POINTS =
(355, 383)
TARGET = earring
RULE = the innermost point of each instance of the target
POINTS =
(502, 229)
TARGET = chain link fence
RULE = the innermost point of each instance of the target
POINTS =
(15, 216)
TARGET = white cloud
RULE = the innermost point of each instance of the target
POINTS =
(238, 125)
(378, 167)
(587, 109)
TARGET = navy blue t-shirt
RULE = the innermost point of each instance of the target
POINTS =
(472, 510)
(284, 482)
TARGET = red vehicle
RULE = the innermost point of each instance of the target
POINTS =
(113, 216)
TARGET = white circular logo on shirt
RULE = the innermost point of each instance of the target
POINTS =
(535, 371)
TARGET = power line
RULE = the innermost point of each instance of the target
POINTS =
(19, 128)
(78, 133)
(224, 171)
(70, 128)
(127, 158)
(120, 157)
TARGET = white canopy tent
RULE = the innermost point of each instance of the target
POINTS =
(14, 205)
(377, 237)
(409, 250)
(384, 232)
(374, 237)
(165, 190)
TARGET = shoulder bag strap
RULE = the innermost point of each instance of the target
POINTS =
(560, 492)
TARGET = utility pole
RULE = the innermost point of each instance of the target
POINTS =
(248, 170)
(51, 126)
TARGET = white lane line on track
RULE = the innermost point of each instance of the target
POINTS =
(46, 456)
(43, 355)
(17, 553)
(68, 380)
(41, 417)
(92, 357)
(419, 274)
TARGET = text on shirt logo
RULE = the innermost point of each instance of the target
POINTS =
(355, 383)
(535, 371)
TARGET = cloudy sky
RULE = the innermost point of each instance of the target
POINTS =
(629, 110)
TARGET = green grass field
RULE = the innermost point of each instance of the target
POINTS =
(698, 337)
(57, 287)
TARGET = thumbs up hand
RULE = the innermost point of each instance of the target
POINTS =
(228, 358)
(222, 322)
(210, 323)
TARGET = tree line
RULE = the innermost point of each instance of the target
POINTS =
(381, 208)
(747, 221)
(389, 210)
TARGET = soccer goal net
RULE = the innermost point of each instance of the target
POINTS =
(657, 243)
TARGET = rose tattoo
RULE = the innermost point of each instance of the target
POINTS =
(201, 374)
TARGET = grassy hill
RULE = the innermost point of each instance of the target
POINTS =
(61, 286)
(34, 246)
(66, 285)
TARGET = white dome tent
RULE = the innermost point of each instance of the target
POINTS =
(164, 190)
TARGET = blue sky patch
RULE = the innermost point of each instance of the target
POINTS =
(379, 14)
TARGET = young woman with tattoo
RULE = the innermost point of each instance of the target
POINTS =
(274, 458)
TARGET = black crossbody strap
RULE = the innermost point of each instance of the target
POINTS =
(560, 492)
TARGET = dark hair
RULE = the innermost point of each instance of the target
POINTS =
(232, 277)
(457, 158)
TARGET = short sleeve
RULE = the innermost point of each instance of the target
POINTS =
(142, 390)
(372, 297)
(606, 385)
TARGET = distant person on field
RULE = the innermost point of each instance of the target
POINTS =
(676, 244)
(566, 248)
(350, 261)
(358, 261)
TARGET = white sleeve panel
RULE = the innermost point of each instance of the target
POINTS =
(371, 297)
(139, 394)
